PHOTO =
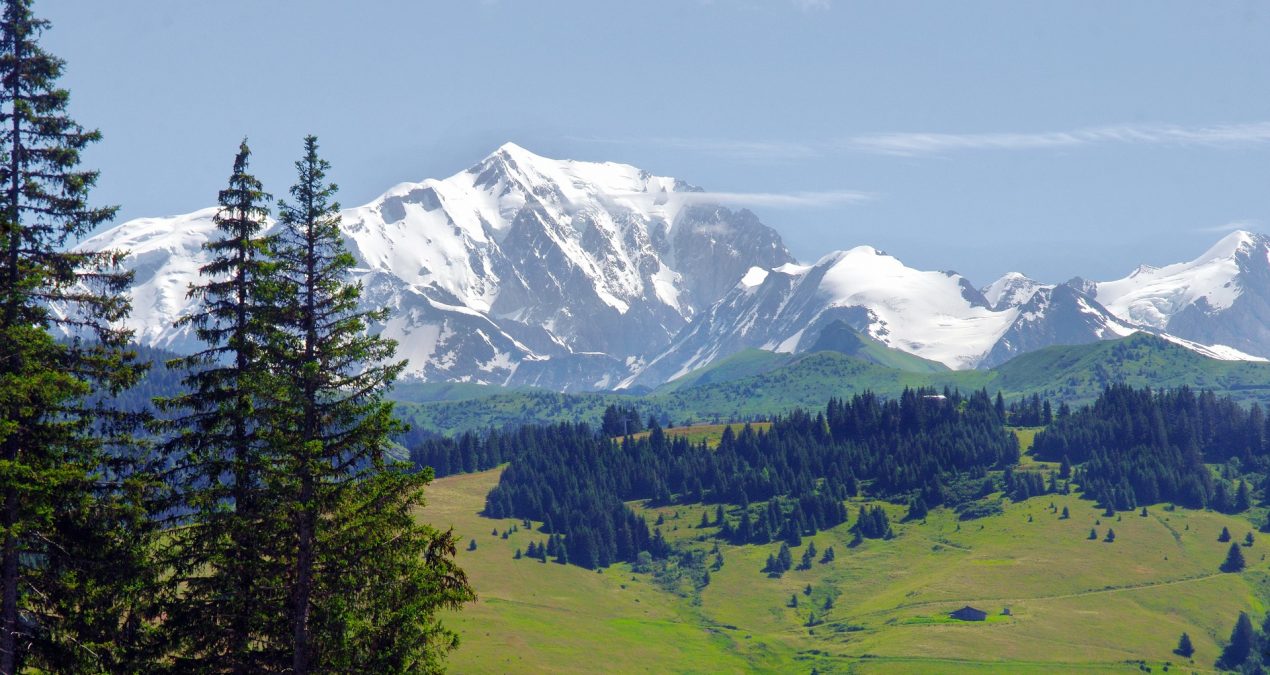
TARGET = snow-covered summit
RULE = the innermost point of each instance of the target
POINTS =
(1011, 290)
(1153, 296)
(520, 258)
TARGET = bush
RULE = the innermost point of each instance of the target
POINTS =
(980, 508)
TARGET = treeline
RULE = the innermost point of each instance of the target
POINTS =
(470, 452)
(1032, 411)
(255, 522)
(576, 479)
(1133, 447)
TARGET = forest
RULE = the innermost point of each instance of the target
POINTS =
(1137, 446)
(800, 471)
(238, 510)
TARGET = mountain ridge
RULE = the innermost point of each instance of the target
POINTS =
(528, 271)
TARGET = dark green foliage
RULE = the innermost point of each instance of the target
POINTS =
(220, 555)
(1111, 536)
(1136, 447)
(75, 573)
(1066, 514)
(1093, 534)
(980, 508)
(801, 469)
(332, 475)
(917, 509)
(1224, 536)
(1242, 641)
(297, 547)
(780, 563)
(1184, 647)
(827, 557)
(1023, 485)
(621, 421)
(1249, 540)
(1029, 412)
(1243, 495)
(1234, 560)
(872, 523)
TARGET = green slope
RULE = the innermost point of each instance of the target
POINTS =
(1077, 606)
(841, 338)
(759, 384)
(1077, 374)
(746, 363)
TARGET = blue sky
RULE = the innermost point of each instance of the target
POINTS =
(1056, 139)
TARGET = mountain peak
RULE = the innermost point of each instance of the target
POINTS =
(515, 151)
(1011, 290)
(1231, 244)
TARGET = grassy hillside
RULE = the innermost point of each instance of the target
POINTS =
(757, 384)
(1076, 605)
(743, 364)
(1077, 374)
(843, 339)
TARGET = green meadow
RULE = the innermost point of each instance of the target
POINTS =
(1075, 604)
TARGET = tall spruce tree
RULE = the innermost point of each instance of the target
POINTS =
(227, 599)
(1243, 639)
(74, 528)
(364, 580)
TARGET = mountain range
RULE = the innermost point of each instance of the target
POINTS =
(529, 271)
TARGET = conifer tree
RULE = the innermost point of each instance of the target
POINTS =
(225, 579)
(1242, 640)
(74, 528)
(1234, 560)
(1184, 647)
(357, 550)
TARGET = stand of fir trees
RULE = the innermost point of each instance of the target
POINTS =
(262, 525)
(74, 555)
(292, 540)
(1135, 447)
(781, 484)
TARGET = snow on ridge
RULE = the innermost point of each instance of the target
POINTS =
(754, 277)
(1219, 352)
(920, 312)
(1011, 290)
(1153, 295)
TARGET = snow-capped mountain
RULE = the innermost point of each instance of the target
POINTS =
(941, 317)
(1053, 315)
(1011, 290)
(936, 315)
(581, 275)
(521, 269)
(1222, 297)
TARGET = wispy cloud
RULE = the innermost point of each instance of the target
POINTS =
(916, 143)
(771, 199)
(907, 143)
(1248, 224)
